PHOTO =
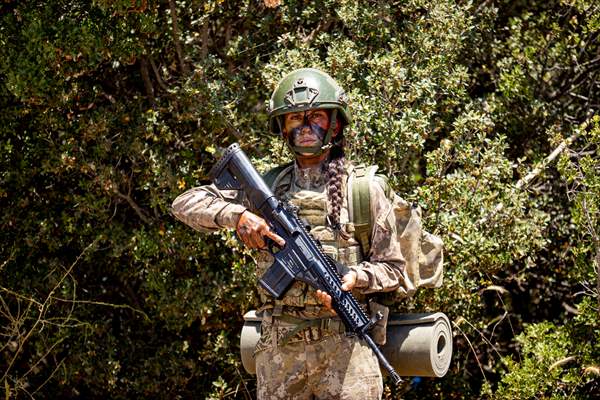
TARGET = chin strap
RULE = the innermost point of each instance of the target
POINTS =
(314, 150)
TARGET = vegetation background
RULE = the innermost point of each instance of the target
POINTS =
(485, 112)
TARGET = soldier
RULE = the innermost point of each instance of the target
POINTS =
(303, 352)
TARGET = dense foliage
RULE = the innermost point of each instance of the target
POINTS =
(485, 112)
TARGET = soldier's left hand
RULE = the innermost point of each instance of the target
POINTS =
(348, 283)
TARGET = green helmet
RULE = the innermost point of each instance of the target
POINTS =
(308, 89)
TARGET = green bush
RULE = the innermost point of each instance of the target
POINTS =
(110, 109)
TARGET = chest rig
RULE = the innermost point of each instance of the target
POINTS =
(308, 192)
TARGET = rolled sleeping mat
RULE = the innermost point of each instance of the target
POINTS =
(419, 344)
(248, 340)
(416, 344)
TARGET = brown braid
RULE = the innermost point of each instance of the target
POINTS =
(335, 181)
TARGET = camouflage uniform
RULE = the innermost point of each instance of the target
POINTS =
(318, 360)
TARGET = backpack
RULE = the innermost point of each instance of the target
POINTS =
(423, 251)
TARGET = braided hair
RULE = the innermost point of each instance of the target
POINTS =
(336, 173)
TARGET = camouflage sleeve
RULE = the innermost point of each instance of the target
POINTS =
(385, 269)
(208, 209)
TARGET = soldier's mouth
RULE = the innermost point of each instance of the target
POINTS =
(308, 141)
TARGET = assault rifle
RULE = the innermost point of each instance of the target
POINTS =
(302, 257)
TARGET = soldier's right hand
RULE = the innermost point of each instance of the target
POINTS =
(252, 230)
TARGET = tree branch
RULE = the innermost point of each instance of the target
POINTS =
(127, 197)
(591, 227)
(176, 40)
(322, 26)
(525, 181)
(102, 303)
(12, 254)
(544, 164)
(43, 308)
(133, 205)
(204, 51)
(597, 259)
(161, 83)
(146, 78)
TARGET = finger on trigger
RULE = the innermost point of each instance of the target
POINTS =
(278, 239)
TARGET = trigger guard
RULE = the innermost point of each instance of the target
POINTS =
(272, 246)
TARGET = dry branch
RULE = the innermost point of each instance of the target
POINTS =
(43, 309)
(527, 179)
(138, 210)
(176, 39)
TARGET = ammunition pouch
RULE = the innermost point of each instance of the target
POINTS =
(378, 332)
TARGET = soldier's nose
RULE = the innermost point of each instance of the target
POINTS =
(305, 130)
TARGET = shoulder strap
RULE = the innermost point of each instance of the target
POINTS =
(270, 177)
(359, 204)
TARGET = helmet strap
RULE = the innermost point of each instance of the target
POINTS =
(332, 128)
(279, 120)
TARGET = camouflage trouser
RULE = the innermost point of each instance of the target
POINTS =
(315, 365)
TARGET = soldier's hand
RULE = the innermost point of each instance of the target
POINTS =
(348, 283)
(252, 230)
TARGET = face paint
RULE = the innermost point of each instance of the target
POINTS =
(315, 131)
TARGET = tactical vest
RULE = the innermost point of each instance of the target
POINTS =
(312, 208)
(423, 251)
